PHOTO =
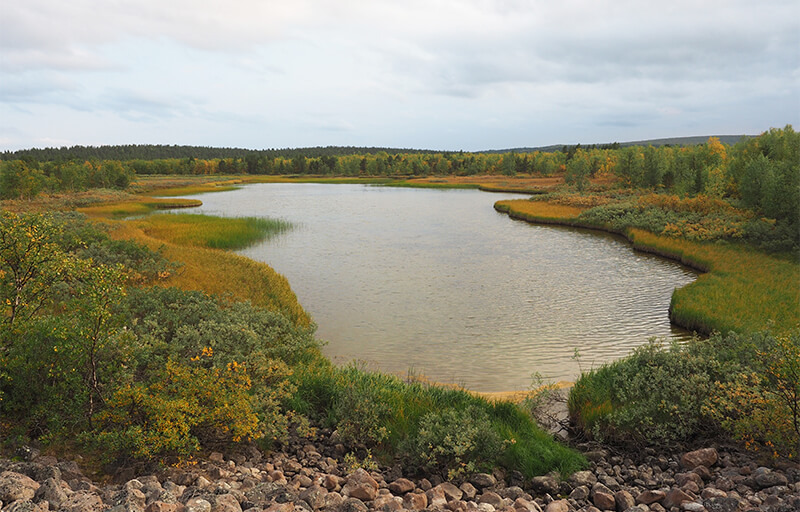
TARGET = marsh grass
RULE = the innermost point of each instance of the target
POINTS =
(742, 290)
(137, 206)
(213, 232)
(217, 272)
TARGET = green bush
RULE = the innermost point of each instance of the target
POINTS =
(454, 443)
(745, 386)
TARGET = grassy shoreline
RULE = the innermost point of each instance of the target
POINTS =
(741, 289)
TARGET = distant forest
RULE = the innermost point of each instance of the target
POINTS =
(160, 152)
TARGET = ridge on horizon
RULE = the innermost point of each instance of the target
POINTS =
(159, 151)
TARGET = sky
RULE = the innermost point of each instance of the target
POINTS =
(427, 74)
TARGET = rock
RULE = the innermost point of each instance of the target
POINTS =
(557, 506)
(469, 490)
(649, 497)
(198, 505)
(704, 457)
(226, 503)
(493, 499)
(415, 501)
(585, 478)
(16, 486)
(353, 505)
(130, 499)
(436, 497)
(721, 504)
(483, 480)
(360, 485)
(545, 484)
(703, 472)
(638, 508)
(523, 505)
(26, 506)
(451, 492)
(579, 493)
(401, 486)
(624, 500)
(765, 477)
(692, 506)
(683, 478)
(82, 501)
(387, 503)
(596, 455)
(674, 498)
(160, 506)
(314, 496)
(51, 492)
(604, 500)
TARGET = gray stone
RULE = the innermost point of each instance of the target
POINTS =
(198, 505)
(765, 477)
(451, 492)
(483, 480)
(82, 501)
(721, 504)
(314, 496)
(16, 486)
(51, 492)
(545, 484)
(579, 493)
(585, 478)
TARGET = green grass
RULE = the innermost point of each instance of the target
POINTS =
(388, 410)
(214, 232)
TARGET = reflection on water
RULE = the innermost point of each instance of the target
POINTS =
(437, 283)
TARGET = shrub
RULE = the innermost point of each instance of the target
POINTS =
(747, 386)
(454, 442)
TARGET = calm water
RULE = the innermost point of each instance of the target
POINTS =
(435, 282)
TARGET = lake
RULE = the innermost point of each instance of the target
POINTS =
(437, 283)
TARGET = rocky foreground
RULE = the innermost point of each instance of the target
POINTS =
(307, 477)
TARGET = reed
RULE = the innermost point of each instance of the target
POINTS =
(213, 232)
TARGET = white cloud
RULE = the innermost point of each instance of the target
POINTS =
(390, 72)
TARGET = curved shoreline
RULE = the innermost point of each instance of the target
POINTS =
(740, 289)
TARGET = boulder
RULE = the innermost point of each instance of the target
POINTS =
(674, 498)
(415, 501)
(483, 480)
(401, 486)
(557, 506)
(624, 500)
(16, 486)
(650, 497)
(361, 485)
(704, 457)
(82, 501)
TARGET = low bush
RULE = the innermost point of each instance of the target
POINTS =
(743, 386)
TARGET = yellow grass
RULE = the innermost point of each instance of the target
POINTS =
(220, 272)
(137, 206)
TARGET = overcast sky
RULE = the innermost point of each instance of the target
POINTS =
(434, 74)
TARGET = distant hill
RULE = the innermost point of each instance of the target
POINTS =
(673, 141)
(157, 151)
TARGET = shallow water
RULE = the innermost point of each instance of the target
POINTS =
(436, 282)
